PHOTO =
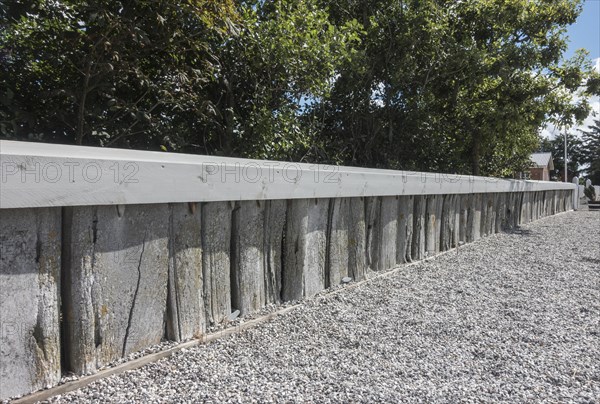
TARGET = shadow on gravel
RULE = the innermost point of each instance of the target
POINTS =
(521, 232)
(591, 260)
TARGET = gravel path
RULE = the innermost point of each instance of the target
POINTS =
(513, 317)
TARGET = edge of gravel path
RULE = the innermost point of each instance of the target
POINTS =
(133, 364)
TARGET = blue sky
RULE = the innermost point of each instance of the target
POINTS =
(585, 33)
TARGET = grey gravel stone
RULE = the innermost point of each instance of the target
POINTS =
(234, 315)
(514, 317)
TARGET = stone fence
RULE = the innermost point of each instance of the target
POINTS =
(105, 252)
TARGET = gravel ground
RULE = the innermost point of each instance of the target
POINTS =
(513, 317)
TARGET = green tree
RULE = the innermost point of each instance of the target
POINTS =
(106, 72)
(591, 151)
(287, 51)
(441, 85)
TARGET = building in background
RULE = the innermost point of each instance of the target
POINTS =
(541, 166)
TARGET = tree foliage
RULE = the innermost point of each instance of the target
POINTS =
(432, 85)
(106, 72)
(287, 51)
(591, 151)
(454, 86)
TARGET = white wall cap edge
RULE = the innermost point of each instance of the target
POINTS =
(47, 175)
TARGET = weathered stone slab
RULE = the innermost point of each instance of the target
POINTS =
(500, 212)
(464, 217)
(439, 206)
(515, 209)
(338, 255)
(274, 227)
(543, 205)
(316, 247)
(457, 221)
(495, 201)
(560, 206)
(306, 248)
(475, 213)
(525, 216)
(432, 236)
(474, 217)
(507, 210)
(521, 207)
(568, 200)
(388, 238)
(185, 305)
(469, 206)
(548, 202)
(483, 210)
(518, 208)
(531, 210)
(30, 262)
(419, 227)
(295, 249)
(448, 223)
(405, 229)
(247, 258)
(373, 220)
(216, 264)
(357, 239)
(487, 214)
(557, 202)
(115, 287)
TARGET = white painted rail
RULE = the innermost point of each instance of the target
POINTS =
(46, 175)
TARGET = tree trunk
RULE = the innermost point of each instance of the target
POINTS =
(229, 121)
(81, 108)
(475, 155)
